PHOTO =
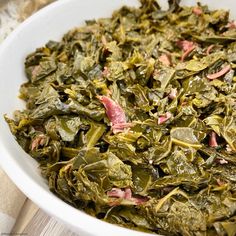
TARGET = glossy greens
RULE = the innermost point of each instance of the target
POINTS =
(133, 118)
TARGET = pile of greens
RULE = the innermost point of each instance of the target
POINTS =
(133, 118)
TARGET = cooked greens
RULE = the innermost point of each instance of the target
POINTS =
(133, 118)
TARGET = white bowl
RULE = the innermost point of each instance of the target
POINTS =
(51, 23)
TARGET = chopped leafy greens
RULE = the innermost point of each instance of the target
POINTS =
(133, 118)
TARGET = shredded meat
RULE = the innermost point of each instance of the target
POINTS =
(164, 118)
(212, 140)
(115, 113)
(222, 72)
(165, 60)
(39, 140)
(209, 49)
(125, 194)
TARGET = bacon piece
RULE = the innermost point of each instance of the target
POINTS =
(212, 140)
(173, 93)
(114, 111)
(197, 11)
(125, 194)
(116, 192)
(186, 46)
(231, 25)
(165, 60)
(164, 118)
(115, 114)
(128, 194)
(185, 54)
(39, 140)
(218, 74)
(209, 49)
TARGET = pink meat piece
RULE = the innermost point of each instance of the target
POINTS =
(173, 93)
(186, 53)
(115, 114)
(197, 11)
(128, 194)
(165, 60)
(220, 73)
(212, 140)
(39, 140)
(125, 194)
(185, 45)
(209, 49)
(164, 118)
(116, 192)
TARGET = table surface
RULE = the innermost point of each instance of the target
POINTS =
(32, 221)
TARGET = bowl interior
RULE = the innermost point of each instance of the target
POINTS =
(50, 24)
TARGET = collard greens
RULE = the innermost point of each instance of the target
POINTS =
(132, 118)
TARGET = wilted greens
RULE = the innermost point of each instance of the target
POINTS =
(133, 118)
